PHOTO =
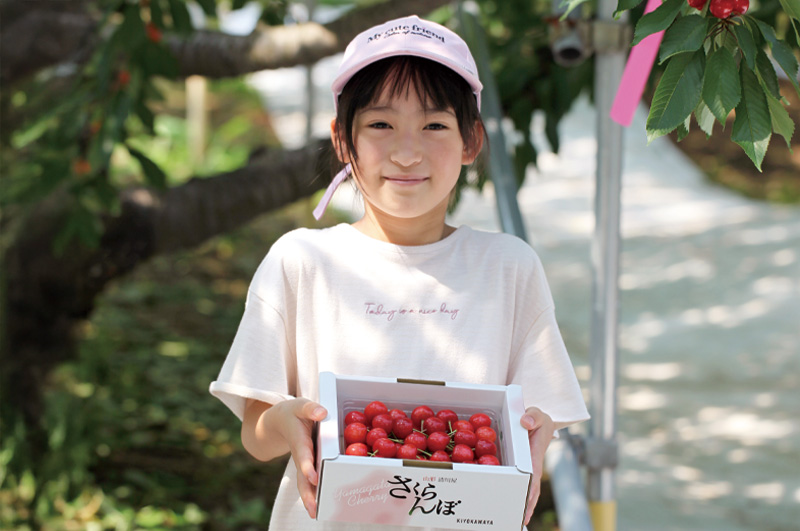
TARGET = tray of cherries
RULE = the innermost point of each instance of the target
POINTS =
(423, 434)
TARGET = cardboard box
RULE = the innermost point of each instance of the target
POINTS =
(422, 493)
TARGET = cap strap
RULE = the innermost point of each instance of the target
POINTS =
(326, 198)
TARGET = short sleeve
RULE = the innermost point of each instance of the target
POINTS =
(261, 362)
(543, 369)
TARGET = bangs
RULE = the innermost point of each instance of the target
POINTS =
(428, 79)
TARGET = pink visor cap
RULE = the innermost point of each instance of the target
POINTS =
(402, 36)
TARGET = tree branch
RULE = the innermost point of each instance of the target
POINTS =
(217, 55)
(39, 34)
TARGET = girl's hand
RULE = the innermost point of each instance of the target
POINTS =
(299, 416)
(540, 432)
(271, 431)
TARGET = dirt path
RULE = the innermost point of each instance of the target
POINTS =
(709, 335)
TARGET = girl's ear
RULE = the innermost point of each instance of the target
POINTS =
(470, 154)
(338, 143)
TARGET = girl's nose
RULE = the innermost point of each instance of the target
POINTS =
(407, 151)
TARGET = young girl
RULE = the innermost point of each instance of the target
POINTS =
(399, 292)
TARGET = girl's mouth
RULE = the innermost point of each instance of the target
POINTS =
(406, 180)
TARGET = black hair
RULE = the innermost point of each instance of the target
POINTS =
(435, 83)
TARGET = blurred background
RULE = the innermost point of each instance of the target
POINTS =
(153, 150)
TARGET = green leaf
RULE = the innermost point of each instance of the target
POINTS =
(683, 129)
(146, 116)
(130, 33)
(569, 5)
(766, 73)
(752, 127)
(209, 7)
(705, 118)
(157, 13)
(524, 154)
(782, 123)
(721, 87)
(685, 35)
(625, 5)
(152, 173)
(747, 44)
(781, 52)
(677, 93)
(657, 20)
(792, 8)
(157, 60)
(181, 20)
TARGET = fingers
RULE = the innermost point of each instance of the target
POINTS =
(540, 432)
(534, 418)
(533, 499)
(308, 493)
(302, 449)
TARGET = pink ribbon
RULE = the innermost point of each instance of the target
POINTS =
(634, 77)
(326, 198)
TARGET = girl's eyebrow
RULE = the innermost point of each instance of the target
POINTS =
(389, 108)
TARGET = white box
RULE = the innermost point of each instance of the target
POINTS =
(422, 493)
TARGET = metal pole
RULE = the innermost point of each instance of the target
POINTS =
(601, 446)
(501, 167)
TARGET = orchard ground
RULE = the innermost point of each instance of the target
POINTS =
(709, 297)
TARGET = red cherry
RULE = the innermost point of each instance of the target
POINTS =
(153, 33)
(407, 451)
(741, 6)
(418, 440)
(488, 460)
(462, 453)
(419, 414)
(382, 420)
(438, 440)
(433, 424)
(355, 416)
(384, 447)
(397, 413)
(486, 433)
(374, 408)
(480, 419)
(375, 434)
(81, 166)
(485, 448)
(463, 425)
(402, 427)
(440, 455)
(697, 4)
(465, 437)
(447, 415)
(123, 78)
(728, 8)
(357, 449)
(355, 433)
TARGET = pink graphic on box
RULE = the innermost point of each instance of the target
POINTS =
(367, 500)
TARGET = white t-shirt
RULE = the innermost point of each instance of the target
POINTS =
(474, 307)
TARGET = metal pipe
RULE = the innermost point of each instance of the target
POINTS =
(567, 485)
(501, 167)
(605, 251)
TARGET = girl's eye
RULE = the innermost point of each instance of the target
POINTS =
(379, 125)
(436, 126)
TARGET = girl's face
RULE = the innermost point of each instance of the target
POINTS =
(409, 157)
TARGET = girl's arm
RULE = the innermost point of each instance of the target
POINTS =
(540, 432)
(269, 431)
